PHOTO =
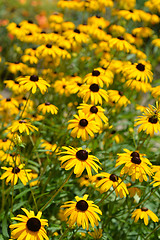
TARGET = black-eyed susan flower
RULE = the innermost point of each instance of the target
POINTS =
(143, 213)
(120, 44)
(111, 180)
(138, 85)
(136, 165)
(118, 97)
(16, 67)
(8, 103)
(12, 174)
(76, 35)
(84, 181)
(30, 226)
(138, 71)
(47, 108)
(33, 82)
(22, 126)
(82, 212)
(144, 32)
(83, 126)
(6, 144)
(14, 86)
(99, 76)
(130, 14)
(150, 121)
(96, 234)
(96, 110)
(61, 86)
(74, 84)
(80, 160)
(93, 92)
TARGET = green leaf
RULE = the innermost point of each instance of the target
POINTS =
(5, 227)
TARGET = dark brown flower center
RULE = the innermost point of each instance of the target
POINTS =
(79, 84)
(140, 67)
(99, 178)
(94, 109)
(76, 31)
(34, 78)
(113, 177)
(82, 205)
(113, 132)
(47, 103)
(18, 26)
(134, 154)
(120, 38)
(95, 73)
(4, 140)
(30, 21)
(86, 178)
(49, 45)
(82, 155)
(83, 122)
(33, 224)
(144, 209)
(16, 82)
(22, 121)
(94, 87)
(8, 99)
(135, 158)
(61, 48)
(153, 120)
(97, 16)
(15, 170)
(120, 93)
(131, 11)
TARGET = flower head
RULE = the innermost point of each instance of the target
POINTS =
(82, 212)
(80, 160)
(83, 125)
(136, 165)
(143, 213)
(47, 108)
(22, 126)
(13, 173)
(150, 121)
(112, 180)
(33, 82)
(93, 92)
(30, 226)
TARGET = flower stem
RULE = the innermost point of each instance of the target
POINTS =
(67, 229)
(155, 229)
(25, 105)
(57, 191)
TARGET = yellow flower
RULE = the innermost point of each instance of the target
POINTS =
(97, 111)
(80, 160)
(136, 165)
(138, 71)
(112, 180)
(47, 108)
(120, 44)
(143, 213)
(93, 92)
(83, 125)
(13, 173)
(82, 212)
(30, 226)
(150, 121)
(33, 82)
(118, 97)
(22, 126)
